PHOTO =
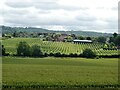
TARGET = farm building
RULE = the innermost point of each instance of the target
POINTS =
(82, 41)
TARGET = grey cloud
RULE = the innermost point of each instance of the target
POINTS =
(34, 20)
(18, 4)
(86, 17)
(56, 6)
(15, 12)
(44, 5)
(80, 22)
(20, 15)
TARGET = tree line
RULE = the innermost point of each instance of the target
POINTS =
(25, 50)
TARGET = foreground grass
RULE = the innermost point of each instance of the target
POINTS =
(59, 72)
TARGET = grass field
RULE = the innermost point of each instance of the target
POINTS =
(51, 72)
(54, 47)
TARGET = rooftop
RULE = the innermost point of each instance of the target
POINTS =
(77, 40)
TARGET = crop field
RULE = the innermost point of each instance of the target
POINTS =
(54, 47)
(52, 72)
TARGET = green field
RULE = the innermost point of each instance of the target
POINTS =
(51, 72)
(54, 47)
(59, 72)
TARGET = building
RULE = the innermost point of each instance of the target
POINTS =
(82, 41)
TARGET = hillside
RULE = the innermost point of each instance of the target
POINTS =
(7, 29)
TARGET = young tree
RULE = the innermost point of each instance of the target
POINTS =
(23, 49)
(36, 51)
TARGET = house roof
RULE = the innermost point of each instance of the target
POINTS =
(76, 40)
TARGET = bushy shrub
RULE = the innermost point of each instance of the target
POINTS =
(101, 39)
(51, 54)
(58, 54)
(3, 53)
(46, 55)
(73, 55)
(23, 49)
(36, 51)
(88, 53)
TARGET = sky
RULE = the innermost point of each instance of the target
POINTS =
(82, 15)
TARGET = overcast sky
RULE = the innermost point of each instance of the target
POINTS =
(88, 15)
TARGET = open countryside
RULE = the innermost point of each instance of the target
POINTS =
(58, 60)
(61, 64)
(59, 45)
(54, 47)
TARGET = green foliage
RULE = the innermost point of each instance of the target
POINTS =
(81, 38)
(105, 46)
(111, 39)
(69, 39)
(23, 49)
(54, 47)
(115, 35)
(29, 30)
(117, 40)
(101, 39)
(0, 49)
(15, 34)
(88, 38)
(3, 51)
(88, 53)
(36, 52)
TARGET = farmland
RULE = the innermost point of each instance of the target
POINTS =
(52, 72)
(54, 47)
(59, 72)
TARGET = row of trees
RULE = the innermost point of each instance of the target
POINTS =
(25, 50)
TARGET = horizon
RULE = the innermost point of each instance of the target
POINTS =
(58, 30)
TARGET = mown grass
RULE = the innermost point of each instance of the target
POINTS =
(51, 72)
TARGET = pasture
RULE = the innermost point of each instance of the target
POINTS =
(54, 47)
(52, 72)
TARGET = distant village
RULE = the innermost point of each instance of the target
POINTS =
(55, 37)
